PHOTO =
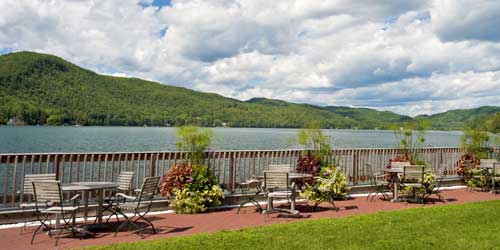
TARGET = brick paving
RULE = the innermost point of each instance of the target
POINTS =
(170, 225)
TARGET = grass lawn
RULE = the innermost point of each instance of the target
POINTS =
(467, 226)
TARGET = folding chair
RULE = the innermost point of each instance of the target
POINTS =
(140, 205)
(50, 193)
(124, 181)
(26, 195)
(379, 181)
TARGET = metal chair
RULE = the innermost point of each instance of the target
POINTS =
(495, 177)
(377, 180)
(27, 192)
(440, 175)
(124, 181)
(276, 185)
(324, 186)
(247, 187)
(140, 205)
(412, 177)
(50, 193)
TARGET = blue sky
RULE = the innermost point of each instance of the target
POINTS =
(411, 57)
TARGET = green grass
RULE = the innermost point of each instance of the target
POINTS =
(467, 226)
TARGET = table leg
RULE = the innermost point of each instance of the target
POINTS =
(292, 206)
(85, 206)
(100, 198)
(395, 181)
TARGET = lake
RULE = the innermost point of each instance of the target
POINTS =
(33, 139)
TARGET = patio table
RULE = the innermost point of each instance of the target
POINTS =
(86, 188)
(395, 173)
(293, 177)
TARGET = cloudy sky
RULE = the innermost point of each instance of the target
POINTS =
(408, 56)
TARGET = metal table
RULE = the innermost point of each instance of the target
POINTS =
(395, 172)
(86, 188)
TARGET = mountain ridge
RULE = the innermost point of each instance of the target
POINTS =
(45, 89)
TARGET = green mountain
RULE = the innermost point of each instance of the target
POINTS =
(44, 89)
(459, 118)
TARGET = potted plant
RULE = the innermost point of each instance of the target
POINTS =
(190, 184)
(319, 161)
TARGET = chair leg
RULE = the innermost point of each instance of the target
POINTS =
(42, 224)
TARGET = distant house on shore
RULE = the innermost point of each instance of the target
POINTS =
(15, 121)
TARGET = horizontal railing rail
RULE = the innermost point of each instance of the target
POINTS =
(230, 167)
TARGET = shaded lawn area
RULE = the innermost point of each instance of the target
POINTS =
(465, 226)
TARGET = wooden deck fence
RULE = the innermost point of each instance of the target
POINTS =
(230, 167)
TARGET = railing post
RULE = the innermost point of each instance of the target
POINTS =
(153, 165)
(231, 174)
(355, 170)
(56, 167)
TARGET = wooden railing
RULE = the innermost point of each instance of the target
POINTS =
(230, 167)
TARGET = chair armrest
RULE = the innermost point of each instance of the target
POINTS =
(75, 197)
(137, 190)
(127, 197)
(75, 200)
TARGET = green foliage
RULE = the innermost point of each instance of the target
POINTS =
(411, 137)
(200, 193)
(460, 118)
(458, 227)
(194, 141)
(316, 143)
(492, 123)
(176, 178)
(326, 188)
(475, 142)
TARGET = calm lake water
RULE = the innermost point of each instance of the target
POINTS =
(135, 139)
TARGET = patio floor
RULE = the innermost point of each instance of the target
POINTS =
(169, 225)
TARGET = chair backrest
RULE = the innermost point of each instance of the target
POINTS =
(276, 180)
(487, 163)
(149, 189)
(441, 171)
(413, 173)
(370, 173)
(496, 168)
(47, 192)
(280, 168)
(29, 178)
(124, 180)
(398, 165)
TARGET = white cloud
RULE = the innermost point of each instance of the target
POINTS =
(411, 57)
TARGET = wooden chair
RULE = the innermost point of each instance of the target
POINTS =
(124, 181)
(378, 180)
(412, 177)
(140, 205)
(50, 193)
(26, 195)
(276, 185)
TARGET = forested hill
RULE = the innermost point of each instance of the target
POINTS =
(44, 89)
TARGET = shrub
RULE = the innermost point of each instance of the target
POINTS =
(175, 179)
(200, 193)
(327, 189)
